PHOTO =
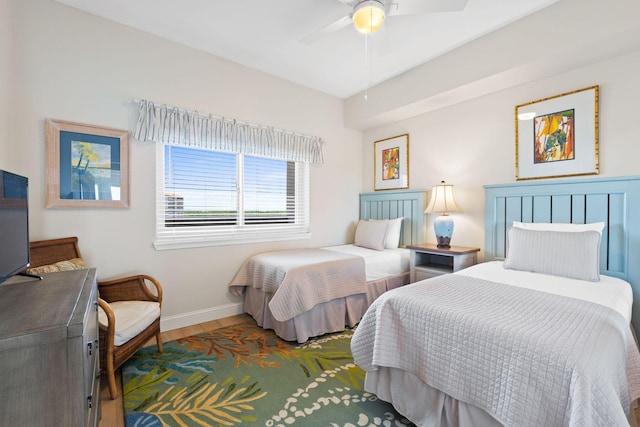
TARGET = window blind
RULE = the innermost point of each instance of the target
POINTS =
(212, 198)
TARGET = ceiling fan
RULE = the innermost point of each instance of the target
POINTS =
(367, 16)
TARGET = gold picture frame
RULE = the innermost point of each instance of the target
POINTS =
(558, 136)
(87, 166)
(391, 163)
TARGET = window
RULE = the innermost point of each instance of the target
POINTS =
(222, 181)
(207, 197)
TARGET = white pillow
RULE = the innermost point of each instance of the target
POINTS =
(558, 226)
(559, 253)
(392, 236)
(371, 234)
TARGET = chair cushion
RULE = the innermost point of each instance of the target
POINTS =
(132, 317)
(71, 264)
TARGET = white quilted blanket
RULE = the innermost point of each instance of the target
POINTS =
(302, 278)
(526, 357)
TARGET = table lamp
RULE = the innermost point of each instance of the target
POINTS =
(443, 200)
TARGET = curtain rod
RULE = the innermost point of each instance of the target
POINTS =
(155, 104)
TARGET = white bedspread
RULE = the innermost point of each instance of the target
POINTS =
(527, 358)
(302, 278)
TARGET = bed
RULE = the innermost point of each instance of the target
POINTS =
(305, 293)
(531, 337)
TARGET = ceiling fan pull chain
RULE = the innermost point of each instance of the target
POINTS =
(366, 63)
(368, 66)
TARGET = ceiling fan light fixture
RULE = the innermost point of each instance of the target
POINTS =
(368, 16)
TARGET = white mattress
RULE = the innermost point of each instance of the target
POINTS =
(609, 291)
(378, 264)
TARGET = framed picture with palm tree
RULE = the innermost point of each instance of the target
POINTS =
(391, 163)
(87, 166)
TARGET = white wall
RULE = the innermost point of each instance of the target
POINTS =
(5, 83)
(473, 143)
(73, 66)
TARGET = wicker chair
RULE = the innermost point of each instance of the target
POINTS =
(132, 288)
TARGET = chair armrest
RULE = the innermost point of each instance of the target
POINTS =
(131, 288)
(110, 328)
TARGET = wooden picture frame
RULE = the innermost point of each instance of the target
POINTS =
(87, 166)
(391, 163)
(558, 136)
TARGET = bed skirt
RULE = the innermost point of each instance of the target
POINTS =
(426, 406)
(331, 316)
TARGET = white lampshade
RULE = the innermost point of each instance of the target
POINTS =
(368, 16)
(443, 199)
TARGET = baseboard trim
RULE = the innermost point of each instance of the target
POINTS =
(168, 323)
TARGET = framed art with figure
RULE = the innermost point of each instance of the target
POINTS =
(391, 163)
(87, 166)
(558, 136)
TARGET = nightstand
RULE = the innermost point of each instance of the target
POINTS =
(429, 260)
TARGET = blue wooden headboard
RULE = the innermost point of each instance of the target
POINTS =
(615, 201)
(408, 204)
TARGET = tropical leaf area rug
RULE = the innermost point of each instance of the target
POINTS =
(243, 375)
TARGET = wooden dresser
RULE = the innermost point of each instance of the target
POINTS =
(49, 350)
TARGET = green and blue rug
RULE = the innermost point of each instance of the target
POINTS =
(243, 375)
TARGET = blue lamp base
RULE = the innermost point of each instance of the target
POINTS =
(443, 227)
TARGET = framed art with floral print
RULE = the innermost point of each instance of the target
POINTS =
(558, 136)
(391, 163)
(87, 166)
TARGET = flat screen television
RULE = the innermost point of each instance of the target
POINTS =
(14, 224)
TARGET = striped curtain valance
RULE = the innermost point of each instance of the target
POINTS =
(175, 126)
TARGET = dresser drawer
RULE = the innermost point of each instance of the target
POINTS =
(422, 274)
(91, 343)
(92, 403)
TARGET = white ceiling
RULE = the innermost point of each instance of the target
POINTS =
(267, 35)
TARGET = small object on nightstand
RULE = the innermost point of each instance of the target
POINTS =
(429, 260)
(443, 200)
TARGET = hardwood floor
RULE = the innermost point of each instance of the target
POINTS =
(112, 410)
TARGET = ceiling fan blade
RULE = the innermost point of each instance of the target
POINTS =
(333, 27)
(417, 7)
